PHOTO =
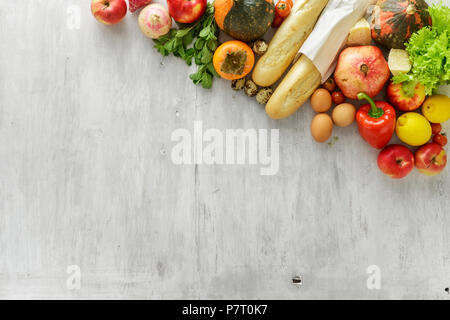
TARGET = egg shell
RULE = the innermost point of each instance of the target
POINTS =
(321, 127)
(344, 114)
(321, 100)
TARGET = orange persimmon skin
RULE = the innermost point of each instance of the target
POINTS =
(232, 47)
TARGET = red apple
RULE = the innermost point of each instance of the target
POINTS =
(399, 99)
(361, 69)
(186, 11)
(431, 159)
(396, 161)
(109, 11)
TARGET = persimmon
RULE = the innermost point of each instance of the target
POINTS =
(233, 60)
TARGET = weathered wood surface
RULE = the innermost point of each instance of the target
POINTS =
(86, 178)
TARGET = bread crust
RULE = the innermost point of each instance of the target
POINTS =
(297, 86)
(287, 41)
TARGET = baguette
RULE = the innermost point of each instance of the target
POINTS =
(297, 86)
(287, 41)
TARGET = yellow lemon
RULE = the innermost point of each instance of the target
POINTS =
(437, 108)
(413, 129)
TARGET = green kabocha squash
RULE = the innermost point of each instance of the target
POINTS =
(394, 21)
(245, 20)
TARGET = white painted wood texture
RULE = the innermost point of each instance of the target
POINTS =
(86, 179)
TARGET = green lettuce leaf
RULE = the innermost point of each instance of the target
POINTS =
(429, 51)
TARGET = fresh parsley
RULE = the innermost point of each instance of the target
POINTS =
(196, 41)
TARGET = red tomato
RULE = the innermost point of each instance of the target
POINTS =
(330, 85)
(283, 8)
(338, 97)
(436, 128)
(440, 139)
(277, 21)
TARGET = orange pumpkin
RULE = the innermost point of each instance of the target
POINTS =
(233, 60)
(394, 21)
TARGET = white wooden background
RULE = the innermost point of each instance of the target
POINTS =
(86, 179)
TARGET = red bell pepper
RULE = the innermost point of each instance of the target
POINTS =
(376, 121)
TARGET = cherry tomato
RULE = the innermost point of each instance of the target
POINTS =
(277, 21)
(329, 85)
(338, 97)
(283, 8)
(291, 3)
(440, 139)
(436, 128)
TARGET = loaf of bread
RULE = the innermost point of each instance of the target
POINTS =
(287, 41)
(297, 86)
